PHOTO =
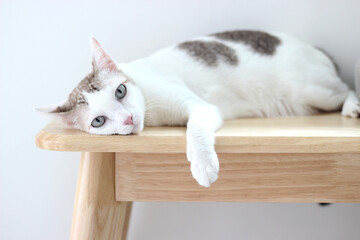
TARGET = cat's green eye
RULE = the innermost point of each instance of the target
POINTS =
(120, 91)
(98, 121)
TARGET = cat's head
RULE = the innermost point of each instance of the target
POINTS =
(106, 101)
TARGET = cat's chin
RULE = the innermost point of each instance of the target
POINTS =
(137, 129)
(138, 124)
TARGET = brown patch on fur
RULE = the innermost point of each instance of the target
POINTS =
(260, 42)
(89, 84)
(336, 66)
(210, 52)
(63, 108)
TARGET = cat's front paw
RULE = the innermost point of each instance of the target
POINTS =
(204, 165)
(205, 173)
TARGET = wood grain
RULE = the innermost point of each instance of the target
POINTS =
(96, 213)
(326, 133)
(243, 177)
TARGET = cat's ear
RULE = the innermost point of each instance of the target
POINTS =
(100, 60)
(64, 111)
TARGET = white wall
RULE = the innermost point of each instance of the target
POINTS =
(44, 52)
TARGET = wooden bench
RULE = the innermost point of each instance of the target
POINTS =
(299, 159)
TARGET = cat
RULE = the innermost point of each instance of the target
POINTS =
(202, 82)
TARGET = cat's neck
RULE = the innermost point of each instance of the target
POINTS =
(157, 89)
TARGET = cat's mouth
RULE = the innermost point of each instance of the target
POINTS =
(122, 134)
(128, 130)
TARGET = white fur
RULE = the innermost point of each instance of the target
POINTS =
(351, 106)
(297, 80)
(104, 103)
(173, 88)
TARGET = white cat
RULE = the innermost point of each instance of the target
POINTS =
(200, 83)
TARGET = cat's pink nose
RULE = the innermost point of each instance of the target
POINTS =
(129, 121)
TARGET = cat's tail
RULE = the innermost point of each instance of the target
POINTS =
(351, 107)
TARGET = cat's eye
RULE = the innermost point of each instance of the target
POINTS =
(120, 91)
(98, 121)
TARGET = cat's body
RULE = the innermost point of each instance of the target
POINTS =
(257, 86)
(201, 82)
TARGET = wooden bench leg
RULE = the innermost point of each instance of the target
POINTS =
(96, 214)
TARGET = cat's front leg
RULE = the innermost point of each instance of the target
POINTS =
(204, 120)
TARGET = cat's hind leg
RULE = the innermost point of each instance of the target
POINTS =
(351, 107)
(328, 96)
(332, 99)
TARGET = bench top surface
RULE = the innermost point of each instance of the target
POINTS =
(312, 134)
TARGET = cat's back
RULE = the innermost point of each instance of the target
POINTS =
(237, 53)
(243, 69)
